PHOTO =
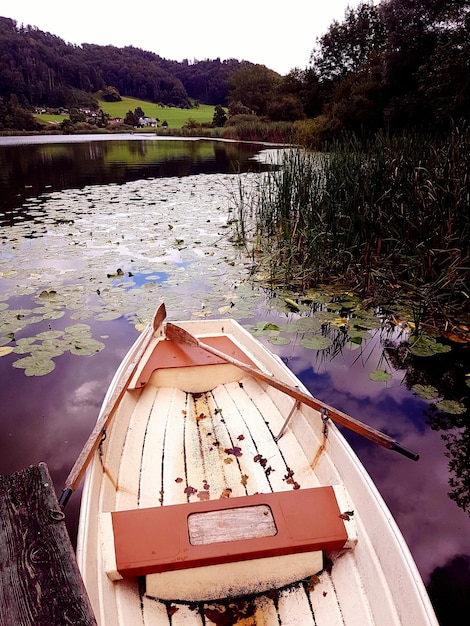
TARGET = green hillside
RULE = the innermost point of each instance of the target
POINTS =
(175, 117)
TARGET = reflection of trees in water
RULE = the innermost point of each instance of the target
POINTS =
(446, 373)
(451, 582)
(26, 171)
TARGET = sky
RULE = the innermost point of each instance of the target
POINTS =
(280, 35)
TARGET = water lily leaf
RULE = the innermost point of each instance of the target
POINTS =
(452, 406)
(357, 335)
(85, 346)
(304, 325)
(291, 304)
(427, 346)
(6, 350)
(349, 304)
(353, 345)
(264, 328)
(34, 366)
(278, 340)
(311, 295)
(427, 392)
(271, 326)
(380, 376)
(53, 315)
(367, 321)
(317, 342)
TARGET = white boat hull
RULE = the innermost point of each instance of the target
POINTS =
(202, 433)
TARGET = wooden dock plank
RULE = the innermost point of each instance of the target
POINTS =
(40, 584)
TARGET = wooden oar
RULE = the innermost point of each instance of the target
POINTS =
(85, 456)
(178, 334)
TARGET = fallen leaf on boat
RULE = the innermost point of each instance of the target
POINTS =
(203, 495)
(226, 493)
(236, 451)
(228, 460)
(241, 437)
(171, 610)
(314, 580)
(178, 480)
(244, 480)
(200, 417)
(190, 491)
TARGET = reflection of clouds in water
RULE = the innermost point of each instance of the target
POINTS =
(417, 496)
(416, 493)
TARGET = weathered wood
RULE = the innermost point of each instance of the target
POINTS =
(40, 583)
(248, 522)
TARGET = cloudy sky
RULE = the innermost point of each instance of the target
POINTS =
(280, 35)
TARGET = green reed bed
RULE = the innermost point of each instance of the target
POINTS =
(390, 217)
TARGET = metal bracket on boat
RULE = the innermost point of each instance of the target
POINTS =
(325, 417)
(284, 426)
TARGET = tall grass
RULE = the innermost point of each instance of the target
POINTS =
(390, 217)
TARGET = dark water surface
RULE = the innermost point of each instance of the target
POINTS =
(64, 204)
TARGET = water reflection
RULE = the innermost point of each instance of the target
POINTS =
(169, 238)
(26, 171)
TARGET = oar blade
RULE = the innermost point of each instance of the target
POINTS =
(179, 335)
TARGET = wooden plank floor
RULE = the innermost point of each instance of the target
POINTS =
(211, 445)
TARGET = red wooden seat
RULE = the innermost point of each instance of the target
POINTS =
(174, 537)
(169, 354)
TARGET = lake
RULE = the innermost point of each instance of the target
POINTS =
(96, 231)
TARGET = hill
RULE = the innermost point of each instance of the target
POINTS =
(40, 69)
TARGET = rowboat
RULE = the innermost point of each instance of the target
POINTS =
(218, 491)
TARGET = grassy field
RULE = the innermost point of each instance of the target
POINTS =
(176, 118)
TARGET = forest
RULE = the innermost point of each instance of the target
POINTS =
(395, 65)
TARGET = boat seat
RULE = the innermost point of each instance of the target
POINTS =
(282, 532)
(177, 364)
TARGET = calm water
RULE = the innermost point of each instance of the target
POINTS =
(96, 232)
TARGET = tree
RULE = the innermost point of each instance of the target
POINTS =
(254, 86)
(220, 117)
(347, 46)
(426, 60)
(130, 119)
(111, 94)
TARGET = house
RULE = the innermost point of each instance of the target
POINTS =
(148, 121)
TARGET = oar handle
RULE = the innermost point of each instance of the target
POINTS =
(414, 456)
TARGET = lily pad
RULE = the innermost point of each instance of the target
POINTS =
(452, 406)
(353, 345)
(427, 346)
(317, 342)
(5, 350)
(427, 392)
(279, 340)
(380, 376)
(35, 367)
(304, 325)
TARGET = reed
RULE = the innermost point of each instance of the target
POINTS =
(389, 216)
